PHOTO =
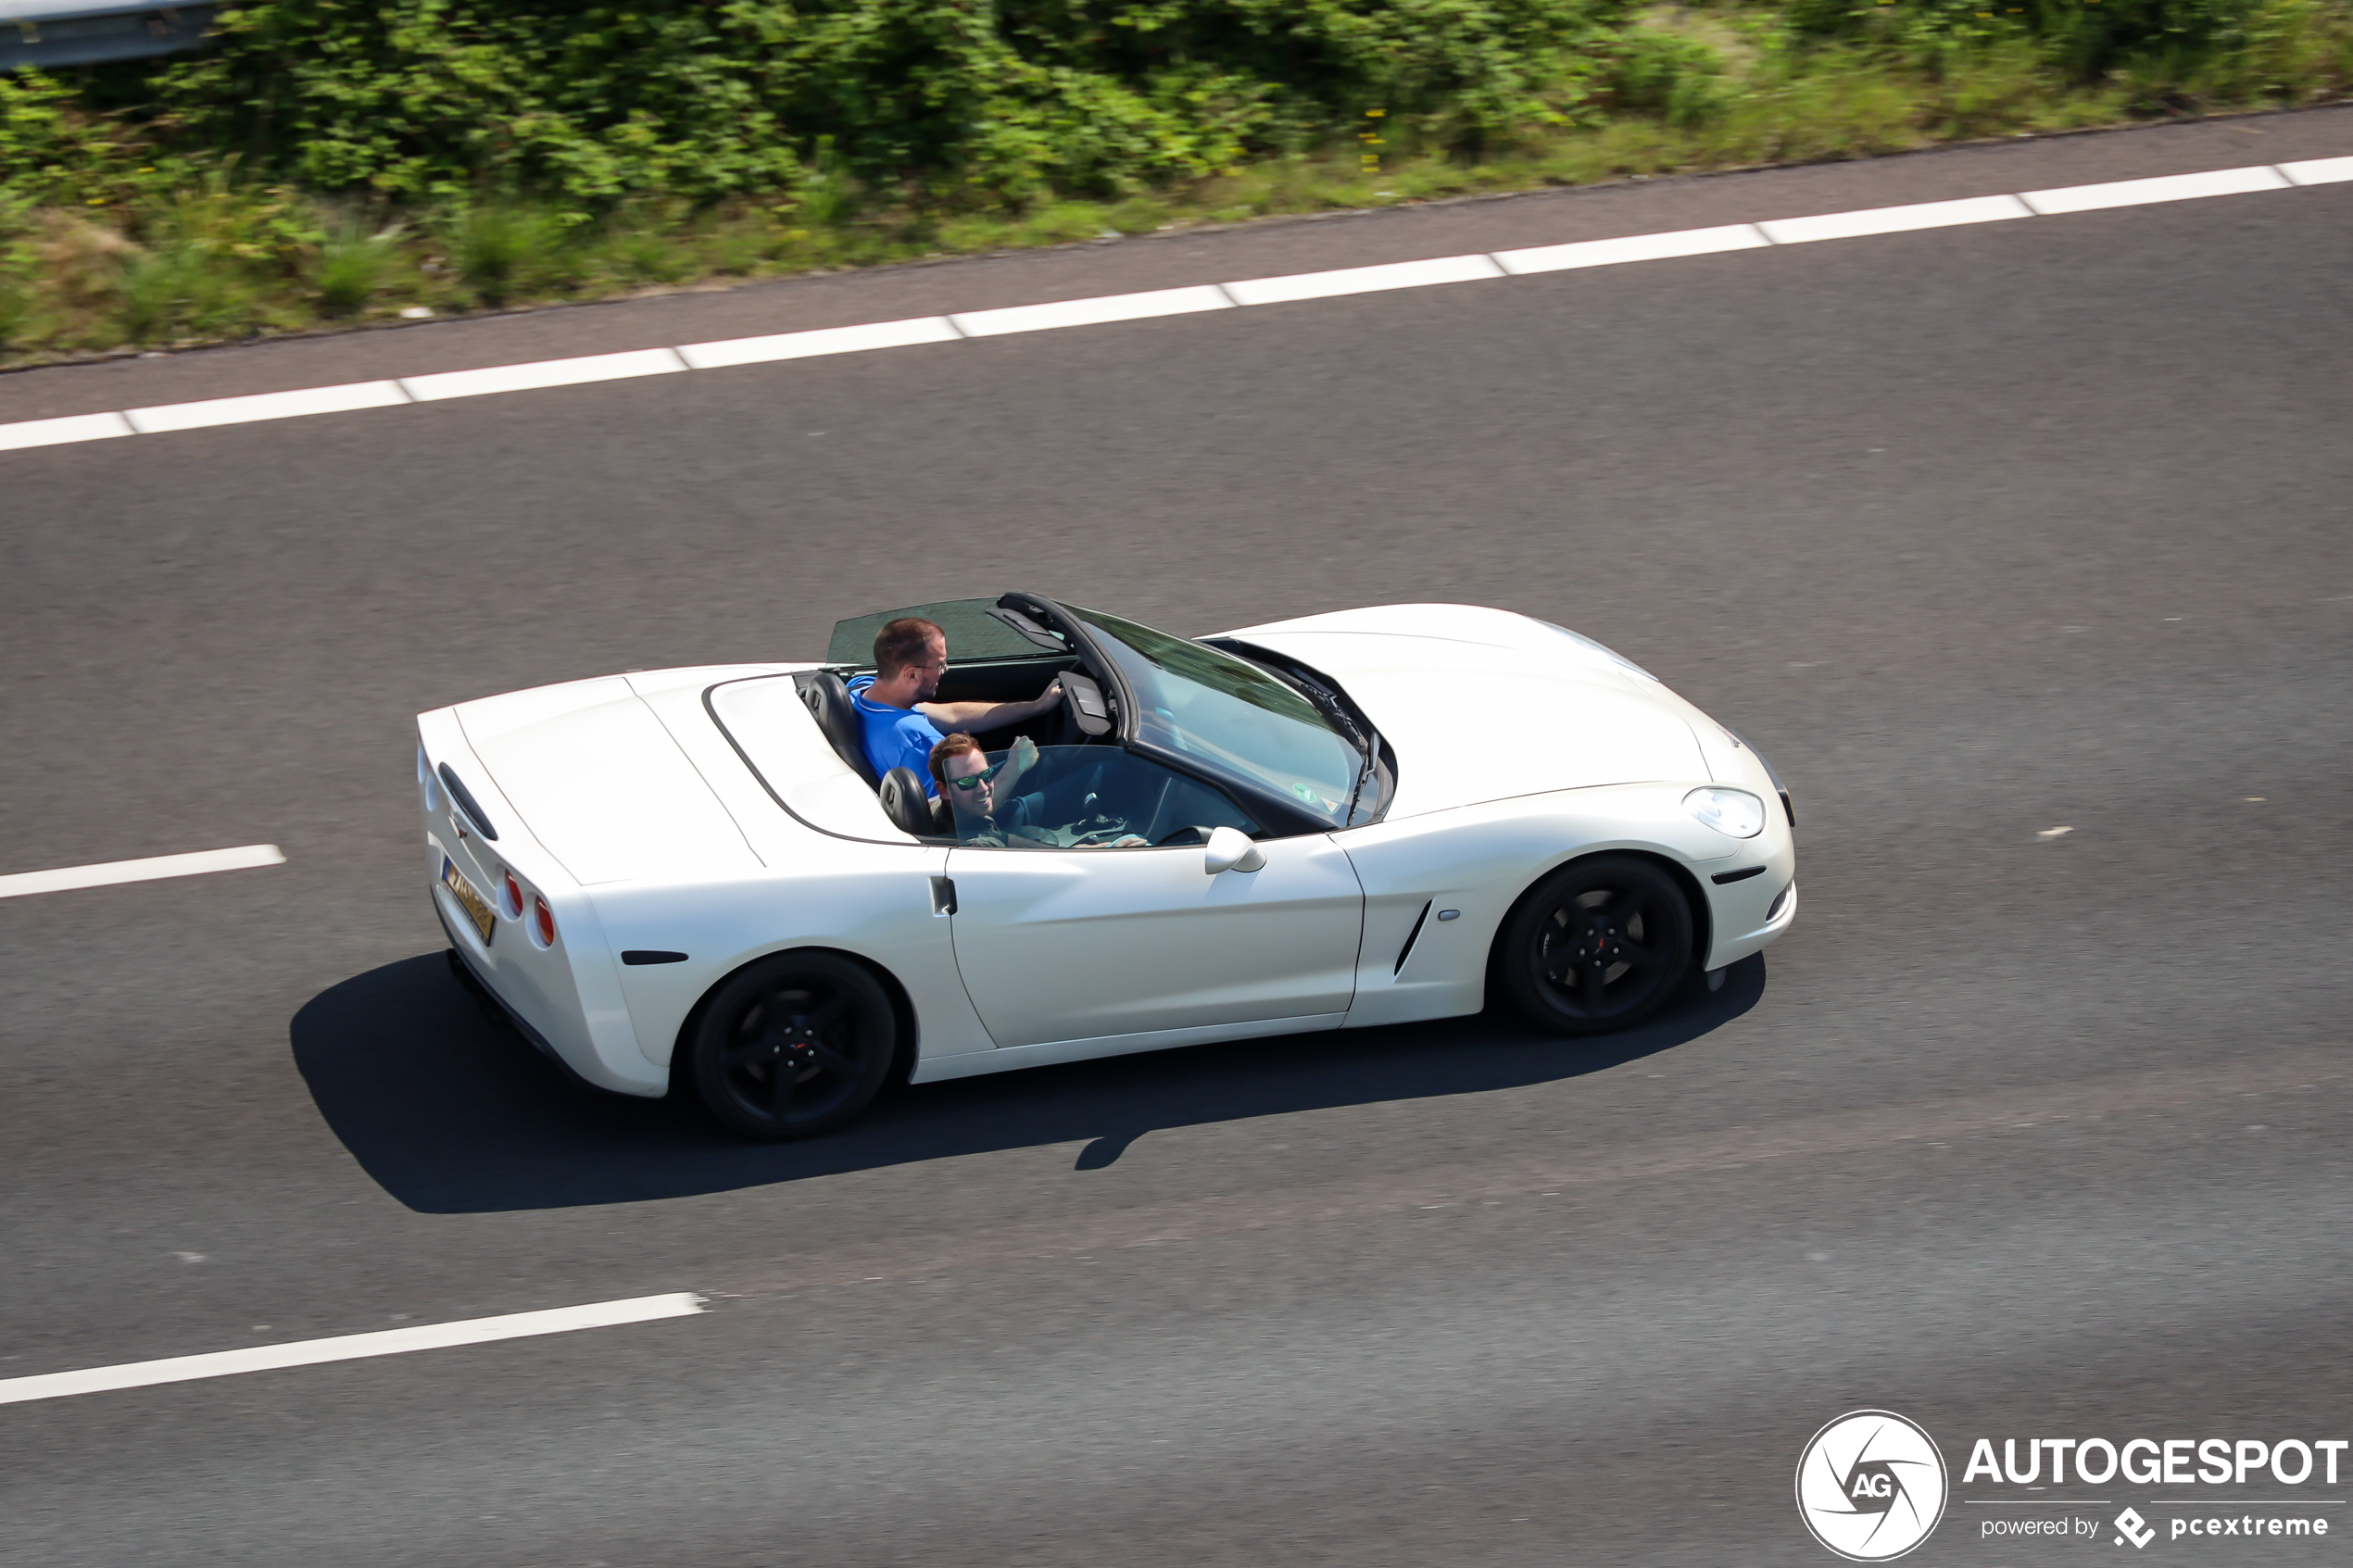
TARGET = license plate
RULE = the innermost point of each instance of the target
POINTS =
(477, 908)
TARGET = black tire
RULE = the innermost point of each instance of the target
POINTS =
(1599, 945)
(793, 1047)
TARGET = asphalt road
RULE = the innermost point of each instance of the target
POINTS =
(1977, 533)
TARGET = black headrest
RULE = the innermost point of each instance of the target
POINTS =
(905, 804)
(828, 702)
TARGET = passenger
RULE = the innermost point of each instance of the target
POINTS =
(901, 725)
(988, 813)
(962, 777)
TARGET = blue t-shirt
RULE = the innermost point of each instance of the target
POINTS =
(896, 737)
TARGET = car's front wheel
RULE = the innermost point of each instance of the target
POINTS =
(1597, 945)
(794, 1046)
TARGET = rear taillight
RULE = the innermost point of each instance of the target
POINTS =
(514, 897)
(545, 918)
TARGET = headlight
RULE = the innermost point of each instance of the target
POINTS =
(1734, 812)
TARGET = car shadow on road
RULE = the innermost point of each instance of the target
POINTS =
(452, 1113)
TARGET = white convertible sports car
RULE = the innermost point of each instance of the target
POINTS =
(691, 878)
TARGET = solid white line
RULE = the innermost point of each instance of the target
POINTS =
(1364, 280)
(1090, 312)
(542, 373)
(1633, 247)
(1894, 220)
(2319, 170)
(57, 433)
(154, 869)
(267, 405)
(349, 1347)
(2164, 188)
(824, 340)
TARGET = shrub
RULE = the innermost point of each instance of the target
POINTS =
(2089, 38)
(1007, 99)
(1679, 80)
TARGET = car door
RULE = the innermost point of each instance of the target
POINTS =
(1081, 944)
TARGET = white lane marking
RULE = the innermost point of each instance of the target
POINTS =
(2319, 170)
(1181, 301)
(1090, 312)
(351, 1346)
(1365, 279)
(543, 373)
(266, 405)
(2164, 188)
(153, 868)
(1633, 247)
(57, 433)
(824, 340)
(1894, 220)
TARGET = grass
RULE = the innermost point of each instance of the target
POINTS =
(1695, 90)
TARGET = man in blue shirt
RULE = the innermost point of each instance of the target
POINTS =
(901, 724)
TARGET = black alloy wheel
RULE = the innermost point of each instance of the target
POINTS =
(793, 1047)
(1597, 945)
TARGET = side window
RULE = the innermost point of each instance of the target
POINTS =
(1087, 797)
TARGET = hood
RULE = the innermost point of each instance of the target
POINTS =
(602, 787)
(1484, 704)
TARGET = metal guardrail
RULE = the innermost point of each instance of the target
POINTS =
(82, 33)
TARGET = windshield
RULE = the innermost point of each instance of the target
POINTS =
(1232, 715)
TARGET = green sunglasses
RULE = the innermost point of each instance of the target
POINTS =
(973, 780)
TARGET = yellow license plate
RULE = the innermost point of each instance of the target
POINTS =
(477, 908)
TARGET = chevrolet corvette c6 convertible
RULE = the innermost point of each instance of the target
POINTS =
(691, 879)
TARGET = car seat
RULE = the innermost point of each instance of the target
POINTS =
(908, 808)
(828, 702)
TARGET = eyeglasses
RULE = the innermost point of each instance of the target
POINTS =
(973, 780)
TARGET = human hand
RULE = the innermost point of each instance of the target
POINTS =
(1024, 752)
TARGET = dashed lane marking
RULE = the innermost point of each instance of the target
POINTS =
(154, 869)
(266, 405)
(1154, 303)
(349, 1347)
(1091, 312)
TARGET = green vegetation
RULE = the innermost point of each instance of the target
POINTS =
(339, 160)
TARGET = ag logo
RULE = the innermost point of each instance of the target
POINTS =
(1871, 1485)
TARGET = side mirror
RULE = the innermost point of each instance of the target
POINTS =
(1230, 850)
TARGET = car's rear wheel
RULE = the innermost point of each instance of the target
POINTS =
(794, 1046)
(1599, 945)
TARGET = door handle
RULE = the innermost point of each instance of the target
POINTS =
(943, 895)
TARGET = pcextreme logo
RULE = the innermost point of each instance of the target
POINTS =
(1871, 1485)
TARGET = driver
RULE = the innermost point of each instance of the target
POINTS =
(901, 725)
(989, 814)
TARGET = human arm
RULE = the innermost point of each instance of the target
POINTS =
(1018, 760)
(973, 718)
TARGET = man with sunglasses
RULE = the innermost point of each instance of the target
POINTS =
(988, 813)
(901, 722)
(972, 788)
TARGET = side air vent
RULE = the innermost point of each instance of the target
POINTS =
(651, 955)
(1411, 937)
(1720, 878)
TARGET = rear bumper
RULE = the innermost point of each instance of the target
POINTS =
(564, 995)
